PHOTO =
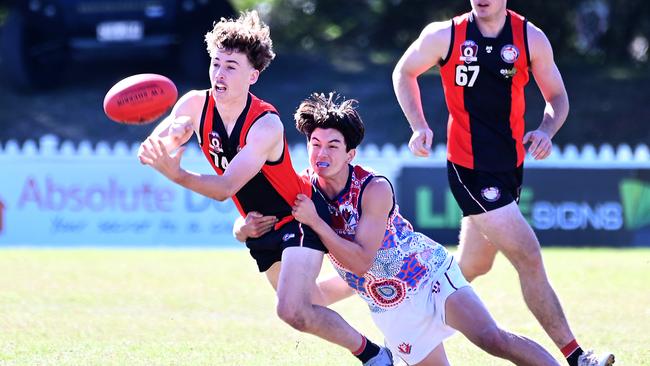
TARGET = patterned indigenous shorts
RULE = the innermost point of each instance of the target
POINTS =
(417, 326)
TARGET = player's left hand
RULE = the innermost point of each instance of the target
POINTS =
(304, 210)
(154, 153)
(540, 144)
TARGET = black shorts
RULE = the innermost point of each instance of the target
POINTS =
(268, 248)
(477, 192)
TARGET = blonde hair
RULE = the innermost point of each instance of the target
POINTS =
(246, 34)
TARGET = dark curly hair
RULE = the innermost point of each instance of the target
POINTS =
(246, 34)
(325, 111)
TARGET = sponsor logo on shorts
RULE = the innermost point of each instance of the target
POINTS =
(404, 348)
(491, 194)
(288, 236)
(436, 287)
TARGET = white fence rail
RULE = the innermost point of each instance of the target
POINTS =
(50, 145)
(60, 193)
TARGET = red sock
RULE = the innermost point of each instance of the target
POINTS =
(364, 340)
(569, 348)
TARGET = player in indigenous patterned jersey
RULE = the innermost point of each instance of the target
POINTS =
(243, 139)
(484, 58)
(415, 291)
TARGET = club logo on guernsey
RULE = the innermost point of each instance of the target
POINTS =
(468, 51)
(216, 150)
(349, 216)
(404, 348)
(215, 143)
(509, 53)
(491, 194)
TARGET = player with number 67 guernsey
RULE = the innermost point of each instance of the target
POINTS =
(485, 56)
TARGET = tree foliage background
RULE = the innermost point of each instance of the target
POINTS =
(600, 31)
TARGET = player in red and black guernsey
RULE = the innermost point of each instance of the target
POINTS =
(485, 57)
(243, 138)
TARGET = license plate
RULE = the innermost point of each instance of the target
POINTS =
(120, 31)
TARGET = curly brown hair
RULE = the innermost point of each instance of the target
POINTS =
(246, 34)
(325, 111)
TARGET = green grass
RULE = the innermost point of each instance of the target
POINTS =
(211, 307)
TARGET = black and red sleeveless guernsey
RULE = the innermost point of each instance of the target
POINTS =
(483, 80)
(273, 190)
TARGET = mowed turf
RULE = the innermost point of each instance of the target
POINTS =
(212, 307)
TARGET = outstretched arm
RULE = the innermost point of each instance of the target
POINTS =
(423, 54)
(357, 255)
(263, 139)
(177, 128)
(550, 83)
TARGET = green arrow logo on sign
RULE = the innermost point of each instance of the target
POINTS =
(635, 195)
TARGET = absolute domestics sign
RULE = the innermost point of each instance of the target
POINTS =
(106, 201)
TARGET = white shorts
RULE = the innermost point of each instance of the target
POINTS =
(417, 326)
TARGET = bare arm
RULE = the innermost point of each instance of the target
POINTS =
(550, 83)
(427, 51)
(263, 140)
(183, 120)
(357, 255)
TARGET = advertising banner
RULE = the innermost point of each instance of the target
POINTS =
(108, 201)
(565, 207)
(65, 196)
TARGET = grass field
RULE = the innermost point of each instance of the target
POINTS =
(211, 307)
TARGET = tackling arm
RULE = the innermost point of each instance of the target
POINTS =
(357, 255)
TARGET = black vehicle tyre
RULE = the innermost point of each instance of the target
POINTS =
(30, 59)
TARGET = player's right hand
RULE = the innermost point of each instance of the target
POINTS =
(420, 143)
(256, 224)
(180, 130)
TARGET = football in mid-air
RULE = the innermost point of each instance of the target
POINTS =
(140, 99)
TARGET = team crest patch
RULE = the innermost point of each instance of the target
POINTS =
(404, 348)
(468, 51)
(509, 53)
(216, 146)
(491, 194)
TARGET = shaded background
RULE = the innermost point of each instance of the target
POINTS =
(601, 48)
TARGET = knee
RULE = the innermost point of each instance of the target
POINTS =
(473, 270)
(493, 341)
(293, 315)
(529, 262)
